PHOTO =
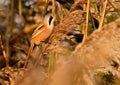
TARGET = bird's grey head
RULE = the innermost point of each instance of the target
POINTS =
(49, 20)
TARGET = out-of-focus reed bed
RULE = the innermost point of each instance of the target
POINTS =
(96, 62)
(73, 55)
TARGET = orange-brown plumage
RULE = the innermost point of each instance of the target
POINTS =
(41, 33)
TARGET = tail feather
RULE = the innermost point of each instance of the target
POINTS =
(28, 55)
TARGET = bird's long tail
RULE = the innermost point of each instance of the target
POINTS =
(28, 55)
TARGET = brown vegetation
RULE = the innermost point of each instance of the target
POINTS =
(83, 48)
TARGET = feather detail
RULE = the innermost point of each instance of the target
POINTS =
(38, 30)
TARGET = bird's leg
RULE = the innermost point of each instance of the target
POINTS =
(28, 55)
(41, 54)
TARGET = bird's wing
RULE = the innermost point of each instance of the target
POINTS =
(38, 30)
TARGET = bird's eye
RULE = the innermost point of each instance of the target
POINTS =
(50, 19)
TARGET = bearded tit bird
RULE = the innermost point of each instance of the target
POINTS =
(41, 33)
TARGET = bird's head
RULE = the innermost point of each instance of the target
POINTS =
(49, 20)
